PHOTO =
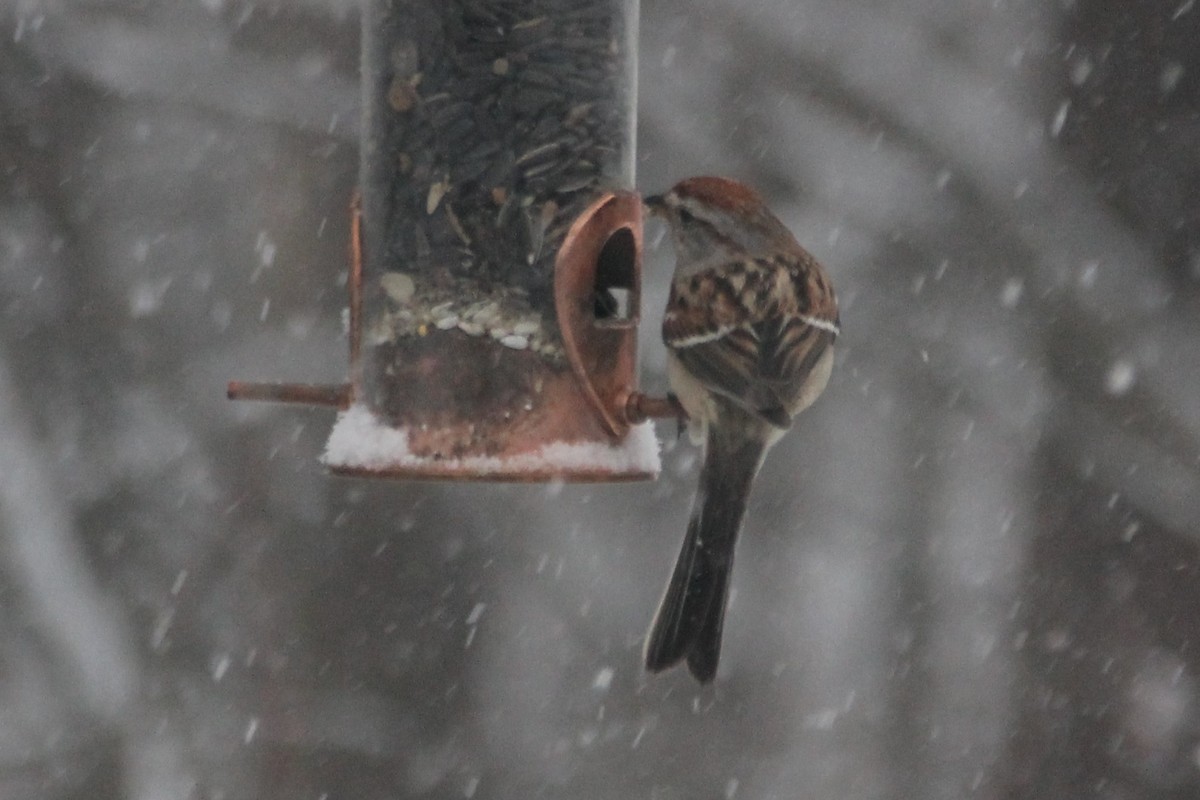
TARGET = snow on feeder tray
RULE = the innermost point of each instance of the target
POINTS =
(496, 250)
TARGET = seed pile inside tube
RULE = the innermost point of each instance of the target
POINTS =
(505, 315)
(502, 120)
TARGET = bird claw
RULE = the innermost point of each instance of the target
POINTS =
(681, 419)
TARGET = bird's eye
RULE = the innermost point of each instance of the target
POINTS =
(686, 216)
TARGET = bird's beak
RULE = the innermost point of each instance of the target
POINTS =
(654, 204)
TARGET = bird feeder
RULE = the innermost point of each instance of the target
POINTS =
(495, 279)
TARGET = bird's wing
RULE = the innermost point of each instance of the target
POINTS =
(753, 330)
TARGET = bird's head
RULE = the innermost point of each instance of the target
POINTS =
(717, 218)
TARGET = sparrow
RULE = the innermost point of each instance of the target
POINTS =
(749, 327)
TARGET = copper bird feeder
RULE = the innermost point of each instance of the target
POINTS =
(495, 278)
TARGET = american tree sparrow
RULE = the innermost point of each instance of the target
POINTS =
(749, 328)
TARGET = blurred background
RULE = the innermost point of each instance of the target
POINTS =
(971, 571)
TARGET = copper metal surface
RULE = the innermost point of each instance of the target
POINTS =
(355, 289)
(603, 354)
(639, 407)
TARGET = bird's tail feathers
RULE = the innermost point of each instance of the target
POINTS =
(691, 615)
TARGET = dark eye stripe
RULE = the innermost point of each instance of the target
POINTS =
(688, 218)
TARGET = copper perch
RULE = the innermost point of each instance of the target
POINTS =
(312, 394)
(637, 408)
(640, 407)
